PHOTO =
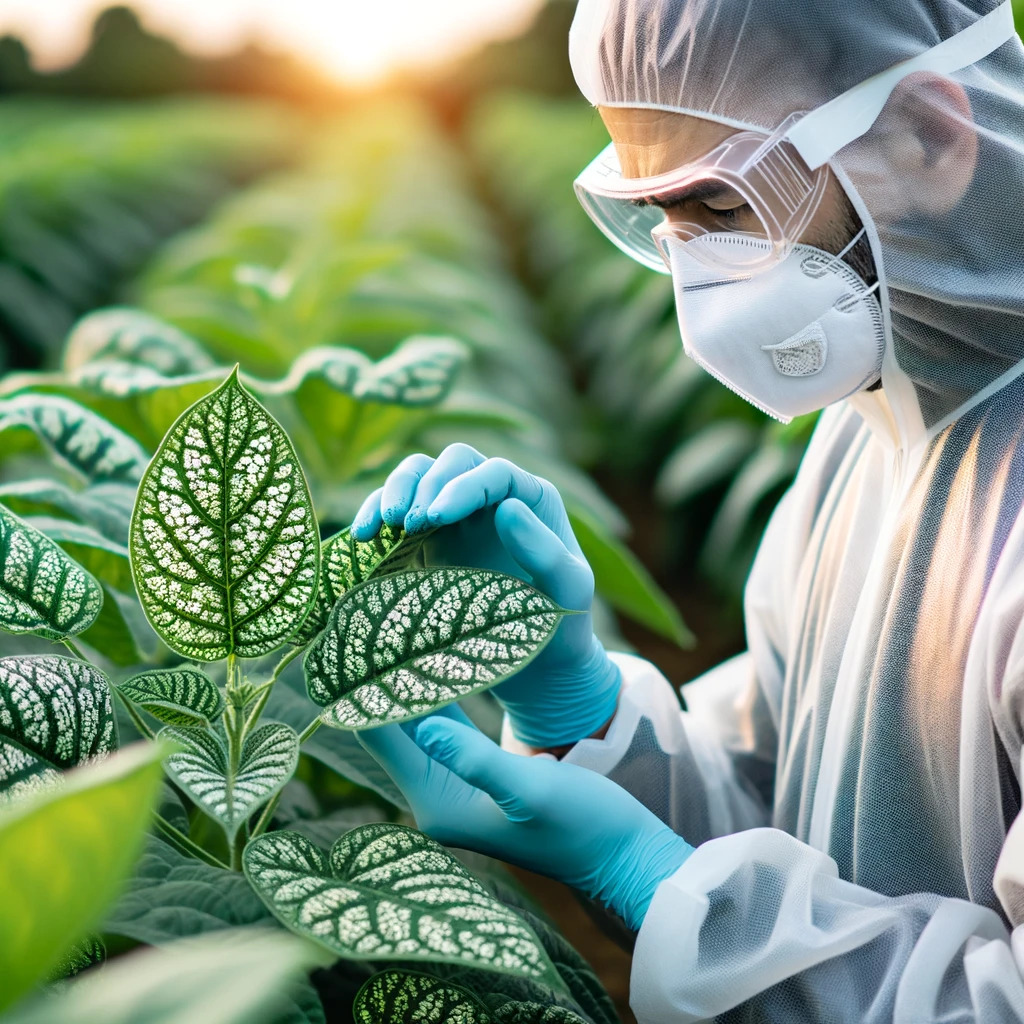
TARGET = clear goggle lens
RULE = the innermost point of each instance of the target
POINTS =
(766, 173)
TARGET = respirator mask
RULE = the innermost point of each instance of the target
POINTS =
(789, 327)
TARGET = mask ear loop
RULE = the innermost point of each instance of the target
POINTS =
(837, 258)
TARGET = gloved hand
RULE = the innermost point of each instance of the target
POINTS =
(552, 817)
(493, 515)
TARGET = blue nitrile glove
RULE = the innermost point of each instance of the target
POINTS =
(494, 515)
(552, 817)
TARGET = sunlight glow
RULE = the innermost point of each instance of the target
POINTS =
(351, 40)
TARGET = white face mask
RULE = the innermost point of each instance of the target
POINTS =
(791, 339)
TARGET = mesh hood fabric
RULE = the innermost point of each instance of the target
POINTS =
(955, 281)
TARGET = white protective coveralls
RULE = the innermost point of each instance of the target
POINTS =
(854, 778)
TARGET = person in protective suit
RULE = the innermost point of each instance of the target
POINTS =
(832, 830)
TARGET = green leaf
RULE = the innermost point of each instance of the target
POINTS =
(175, 696)
(90, 445)
(64, 853)
(389, 892)
(172, 896)
(80, 955)
(705, 459)
(352, 408)
(224, 544)
(407, 643)
(405, 997)
(55, 713)
(345, 563)
(104, 558)
(42, 590)
(244, 981)
(339, 751)
(133, 336)
(105, 507)
(202, 768)
(622, 580)
(400, 996)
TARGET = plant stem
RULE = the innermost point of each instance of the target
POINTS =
(310, 729)
(184, 844)
(264, 691)
(137, 719)
(236, 850)
(268, 811)
(74, 648)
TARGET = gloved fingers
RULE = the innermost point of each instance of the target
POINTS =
(367, 520)
(479, 761)
(400, 486)
(554, 569)
(486, 484)
(451, 711)
(400, 757)
(390, 502)
(454, 461)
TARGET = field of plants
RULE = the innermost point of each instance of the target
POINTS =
(189, 419)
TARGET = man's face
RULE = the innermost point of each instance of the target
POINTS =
(650, 142)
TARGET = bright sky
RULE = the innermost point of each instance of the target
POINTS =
(351, 39)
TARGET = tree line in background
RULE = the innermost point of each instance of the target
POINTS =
(124, 60)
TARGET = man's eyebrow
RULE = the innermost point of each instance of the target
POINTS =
(698, 192)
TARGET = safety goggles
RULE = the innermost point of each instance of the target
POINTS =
(764, 172)
(781, 176)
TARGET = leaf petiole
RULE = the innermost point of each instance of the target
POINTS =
(74, 648)
(137, 719)
(268, 811)
(183, 844)
(262, 694)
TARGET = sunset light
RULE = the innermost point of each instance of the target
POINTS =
(352, 41)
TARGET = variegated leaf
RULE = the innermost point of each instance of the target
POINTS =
(90, 445)
(389, 892)
(408, 997)
(202, 768)
(345, 563)
(224, 544)
(55, 713)
(420, 372)
(401, 645)
(42, 589)
(133, 336)
(399, 996)
(105, 507)
(175, 696)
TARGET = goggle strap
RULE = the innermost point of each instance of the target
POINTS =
(819, 135)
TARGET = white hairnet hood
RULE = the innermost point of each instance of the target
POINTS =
(954, 279)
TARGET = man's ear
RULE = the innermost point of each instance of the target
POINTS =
(930, 141)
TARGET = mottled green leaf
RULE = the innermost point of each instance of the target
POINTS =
(419, 372)
(224, 544)
(245, 981)
(90, 445)
(202, 768)
(176, 696)
(390, 892)
(400, 645)
(42, 590)
(55, 713)
(407, 997)
(106, 507)
(133, 336)
(64, 852)
(345, 563)
(104, 558)
(398, 996)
